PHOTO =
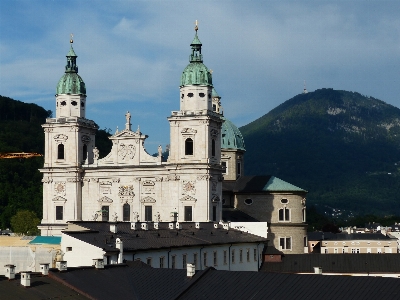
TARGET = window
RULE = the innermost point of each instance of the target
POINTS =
(195, 259)
(215, 258)
(188, 213)
(59, 212)
(304, 214)
(162, 262)
(239, 168)
(202, 95)
(240, 255)
(205, 259)
(173, 259)
(285, 243)
(84, 152)
(248, 201)
(255, 254)
(188, 146)
(190, 95)
(74, 103)
(126, 212)
(184, 261)
(148, 261)
(224, 167)
(284, 201)
(353, 250)
(69, 249)
(105, 213)
(214, 215)
(225, 257)
(248, 255)
(335, 250)
(60, 151)
(214, 107)
(233, 256)
(148, 213)
(284, 214)
(212, 147)
(343, 250)
(326, 251)
(305, 241)
(368, 250)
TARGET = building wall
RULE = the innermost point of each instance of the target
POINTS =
(358, 246)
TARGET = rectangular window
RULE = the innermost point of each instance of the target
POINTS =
(335, 250)
(205, 259)
(233, 256)
(188, 213)
(105, 213)
(326, 251)
(173, 261)
(162, 262)
(240, 255)
(225, 257)
(215, 258)
(239, 168)
(59, 212)
(148, 213)
(284, 214)
(304, 214)
(224, 170)
(248, 255)
(183, 261)
(214, 215)
(353, 250)
(255, 254)
(285, 243)
(305, 242)
(149, 261)
(126, 212)
(69, 249)
(195, 259)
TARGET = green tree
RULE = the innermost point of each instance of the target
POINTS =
(25, 222)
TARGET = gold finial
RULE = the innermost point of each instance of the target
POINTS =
(72, 38)
(196, 27)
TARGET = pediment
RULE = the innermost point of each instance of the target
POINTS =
(59, 198)
(188, 198)
(105, 199)
(127, 133)
(148, 200)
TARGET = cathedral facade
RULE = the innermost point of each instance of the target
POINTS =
(129, 184)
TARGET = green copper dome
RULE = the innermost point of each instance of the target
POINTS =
(231, 136)
(71, 82)
(196, 73)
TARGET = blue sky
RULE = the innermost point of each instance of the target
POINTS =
(131, 53)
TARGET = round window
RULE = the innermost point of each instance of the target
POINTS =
(190, 95)
(248, 201)
(284, 201)
(202, 95)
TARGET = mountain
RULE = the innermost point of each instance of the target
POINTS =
(343, 147)
(20, 179)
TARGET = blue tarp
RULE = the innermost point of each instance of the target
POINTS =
(53, 240)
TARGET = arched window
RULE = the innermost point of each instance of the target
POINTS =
(126, 212)
(84, 152)
(284, 214)
(212, 147)
(60, 151)
(188, 146)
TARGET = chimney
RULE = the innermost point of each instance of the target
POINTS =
(10, 271)
(318, 270)
(98, 263)
(133, 226)
(145, 226)
(61, 265)
(114, 227)
(44, 268)
(26, 278)
(191, 270)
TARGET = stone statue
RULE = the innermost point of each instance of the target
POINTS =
(128, 121)
(159, 151)
(95, 153)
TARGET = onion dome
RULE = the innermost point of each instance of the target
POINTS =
(231, 136)
(196, 73)
(71, 82)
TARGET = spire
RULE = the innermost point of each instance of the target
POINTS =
(196, 55)
(71, 66)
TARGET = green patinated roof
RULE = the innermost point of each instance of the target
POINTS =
(231, 136)
(196, 73)
(276, 184)
(71, 82)
(214, 93)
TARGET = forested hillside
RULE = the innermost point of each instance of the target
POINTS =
(20, 180)
(340, 146)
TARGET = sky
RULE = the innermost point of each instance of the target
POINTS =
(131, 54)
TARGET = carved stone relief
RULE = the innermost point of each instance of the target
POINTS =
(85, 139)
(148, 186)
(126, 193)
(47, 180)
(213, 185)
(148, 200)
(188, 130)
(105, 199)
(59, 188)
(59, 199)
(204, 177)
(74, 179)
(214, 133)
(60, 138)
(188, 198)
(189, 187)
(126, 151)
(173, 177)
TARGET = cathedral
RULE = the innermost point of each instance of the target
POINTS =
(201, 181)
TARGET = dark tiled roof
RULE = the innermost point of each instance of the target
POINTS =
(42, 287)
(336, 263)
(234, 215)
(255, 184)
(100, 236)
(317, 236)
